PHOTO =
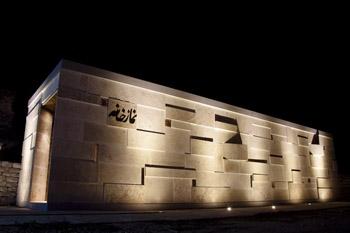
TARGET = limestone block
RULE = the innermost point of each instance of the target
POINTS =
(204, 115)
(104, 134)
(303, 150)
(223, 136)
(151, 119)
(282, 148)
(310, 194)
(255, 142)
(305, 166)
(170, 173)
(45, 122)
(66, 169)
(296, 191)
(71, 93)
(159, 190)
(73, 79)
(232, 166)
(166, 158)
(278, 138)
(115, 173)
(280, 185)
(316, 150)
(325, 183)
(292, 161)
(180, 113)
(309, 182)
(260, 178)
(25, 175)
(203, 131)
(276, 160)
(31, 123)
(261, 131)
(135, 156)
(319, 172)
(42, 141)
(233, 151)
(79, 95)
(278, 130)
(40, 173)
(212, 179)
(124, 193)
(146, 140)
(81, 110)
(277, 172)
(204, 163)
(143, 96)
(320, 162)
(303, 141)
(326, 194)
(263, 192)
(240, 195)
(125, 92)
(296, 175)
(73, 149)
(68, 128)
(210, 195)
(182, 190)
(114, 153)
(226, 126)
(299, 192)
(280, 194)
(196, 130)
(244, 124)
(177, 140)
(292, 136)
(38, 191)
(254, 167)
(200, 147)
(182, 125)
(68, 192)
(258, 154)
(327, 142)
(239, 181)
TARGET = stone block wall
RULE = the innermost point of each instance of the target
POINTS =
(9, 173)
(116, 143)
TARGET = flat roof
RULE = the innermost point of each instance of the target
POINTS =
(74, 66)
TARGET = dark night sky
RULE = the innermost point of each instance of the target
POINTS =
(294, 68)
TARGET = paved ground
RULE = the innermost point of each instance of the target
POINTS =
(329, 217)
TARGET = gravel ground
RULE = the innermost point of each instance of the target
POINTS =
(320, 221)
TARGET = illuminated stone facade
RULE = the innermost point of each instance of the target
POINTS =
(96, 139)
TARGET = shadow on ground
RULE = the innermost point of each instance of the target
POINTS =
(328, 220)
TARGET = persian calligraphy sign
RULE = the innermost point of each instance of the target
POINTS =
(121, 113)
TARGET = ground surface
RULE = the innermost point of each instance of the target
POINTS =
(320, 221)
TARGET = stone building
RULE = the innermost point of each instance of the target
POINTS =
(97, 139)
